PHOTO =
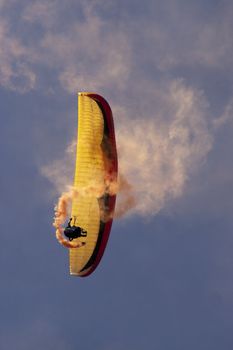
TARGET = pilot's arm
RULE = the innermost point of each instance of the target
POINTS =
(69, 223)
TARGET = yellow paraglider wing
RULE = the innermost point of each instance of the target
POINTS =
(96, 165)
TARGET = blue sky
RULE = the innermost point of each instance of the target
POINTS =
(165, 281)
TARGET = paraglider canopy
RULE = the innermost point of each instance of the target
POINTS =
(95, 185)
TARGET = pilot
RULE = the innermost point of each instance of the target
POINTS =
(72, 232)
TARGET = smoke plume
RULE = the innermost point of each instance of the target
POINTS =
(157, 154)
(61, 214)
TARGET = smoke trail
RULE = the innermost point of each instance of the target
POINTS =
(157, 155)
(63, 207)
(126, 198)
(61, 213)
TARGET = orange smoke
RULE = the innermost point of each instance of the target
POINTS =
(126, 198)
(62, 209)
(61, 213)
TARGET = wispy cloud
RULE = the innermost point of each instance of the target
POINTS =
(42, 12)
(60, 171)
(90, 51)
(92, 56)
(85, 54)
(15, 73)
(226, 117)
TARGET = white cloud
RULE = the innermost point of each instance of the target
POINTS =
(42, 12)
(89, 54)
(61, 171)
(15, 73)
(225, 117)
(91, 51)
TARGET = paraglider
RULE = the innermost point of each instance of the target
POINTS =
(95, 185)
